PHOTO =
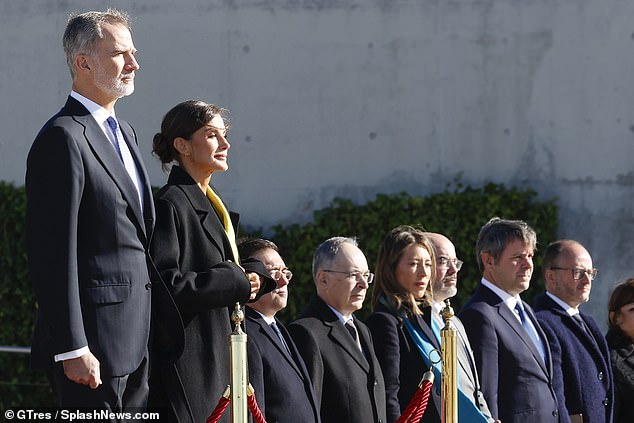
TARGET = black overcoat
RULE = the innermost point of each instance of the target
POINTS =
(192, 254)
(349, 387)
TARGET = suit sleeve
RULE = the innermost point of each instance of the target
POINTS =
(54, 187)
(222, 285)
(308, 348)
(484, 342)
(557, 368)
(384, 329)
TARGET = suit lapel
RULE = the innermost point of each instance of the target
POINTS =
(107, 156)
(268, 332)
(293, 356)
(547, 366)
(600, 346)
(339, 334)
(511, 320)
(148, 201)
(590, 340)
(508, 316)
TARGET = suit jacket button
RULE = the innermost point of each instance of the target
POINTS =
(148, 286)
(606, 401)
(555, 413)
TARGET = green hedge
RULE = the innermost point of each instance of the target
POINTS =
(458, 212)
(19, 386)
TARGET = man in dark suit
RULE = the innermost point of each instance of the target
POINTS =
(511, 350)
(276, 370)
(581, 360)
(336, 347)
(443, 286)
(89, 217)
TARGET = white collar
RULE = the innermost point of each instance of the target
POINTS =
(507, 298)
(343, 319)
(267, 319)
(99, 113)
(570, 310)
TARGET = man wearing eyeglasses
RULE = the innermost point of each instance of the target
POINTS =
(581, 362)
(276, 370)
(443, 286)
(337, 347)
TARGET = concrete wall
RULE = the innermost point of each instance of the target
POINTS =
(352, 98)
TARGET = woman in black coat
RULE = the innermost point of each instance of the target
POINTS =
(194, 249)
(620, 339)
(404, 268)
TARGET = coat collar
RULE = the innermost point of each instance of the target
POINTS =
(339, 334)
(208, 218)
(591, 341)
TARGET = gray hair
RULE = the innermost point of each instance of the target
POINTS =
(327, 251)
(84, 30)
(497, 233)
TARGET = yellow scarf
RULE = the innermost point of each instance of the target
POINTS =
(222, 212)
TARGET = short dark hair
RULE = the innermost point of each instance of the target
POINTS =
(247, 247)
(497, 233)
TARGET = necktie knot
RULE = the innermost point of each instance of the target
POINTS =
(352, 329)
(520, 311)
(112, 123)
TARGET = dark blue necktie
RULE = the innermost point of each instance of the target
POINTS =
(126, 157)
(112, 123)
(530, 331)
(279, 335)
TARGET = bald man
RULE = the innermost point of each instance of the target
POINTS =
(337, 347)
(445, 285)
(582, 374)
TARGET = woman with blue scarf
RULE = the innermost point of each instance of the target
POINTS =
(401, 318)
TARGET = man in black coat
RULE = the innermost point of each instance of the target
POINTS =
(276, 370)
(581, 360)
(337, 348)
